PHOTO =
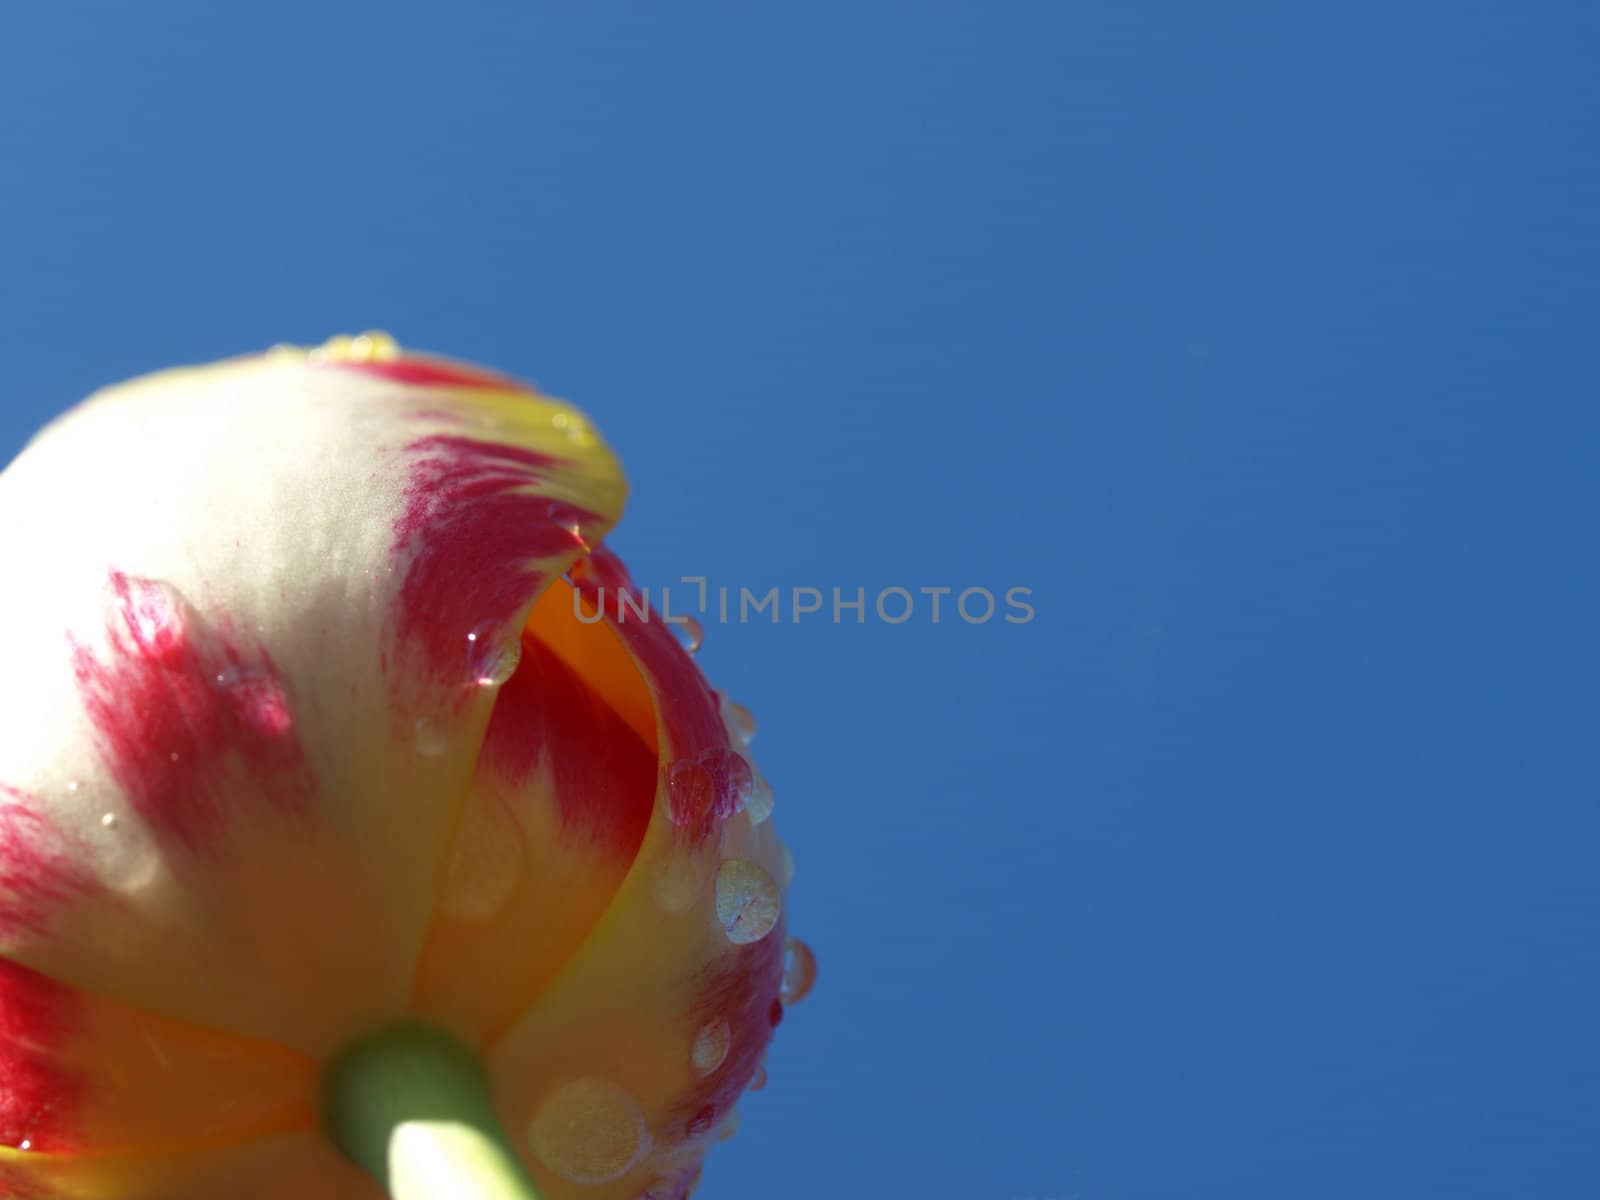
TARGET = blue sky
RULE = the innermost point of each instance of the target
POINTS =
(1258, 340)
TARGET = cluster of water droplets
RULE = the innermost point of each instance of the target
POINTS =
(713, 785)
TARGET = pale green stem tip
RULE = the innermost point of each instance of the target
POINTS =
(411, 1105)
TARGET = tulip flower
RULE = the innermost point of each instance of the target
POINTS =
(359, 835)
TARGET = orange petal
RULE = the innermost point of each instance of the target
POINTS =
(616, 1080)
(82, 1074)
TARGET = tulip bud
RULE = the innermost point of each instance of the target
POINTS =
(357, 831)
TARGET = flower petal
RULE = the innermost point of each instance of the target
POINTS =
(295, 1166)
(559, 806)
(632, 1057)
(258, 616)
(81, 1074)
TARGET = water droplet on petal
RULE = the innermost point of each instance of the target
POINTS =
(690, 633)
(485, 862)
(492, 657)
(372, 346)
(729, 1126)
(108, 821)
(759, 1079)
(742, 719)
(257, 698)
(72, 785)
(731, 777)
(589, 1131)
(152, 611)
(759, 805)
(678, 881)
(799, 971)
(710, 1046)
(564, 516)
(747, 901)
(25, 1144)
(430, 739)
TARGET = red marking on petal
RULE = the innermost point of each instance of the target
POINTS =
(472, 529)
(741, 987)
(15, 1184)
(603, 772)
(433, 372)
(703, 785)
(187, 721)
(38, 872)
(37, 1097)
(701, 1121)
(775, 1013)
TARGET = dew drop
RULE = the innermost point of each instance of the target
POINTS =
(710, 1047)
(729, 1126)
(799, 971)
(742, 720)
(257, 698)
(430, 739)
(234, 674)
(677, 883)
(485, 862)
(372, 346)
(747, 901)
(25, 1144)
(691, 635)
(153, 614)
(731, 780)
(759, 1079)
(564, 516)
(589, 1131)
(759, 805)
(492, 659)
(108, 821)
(72, 785)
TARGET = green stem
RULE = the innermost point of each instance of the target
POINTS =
(411, 1105)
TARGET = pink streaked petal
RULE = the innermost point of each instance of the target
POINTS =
(477, 527)
(37, 1097)
(420, 371)
(182, 712)
(696, 770)
(39, 868)
(602, 776)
